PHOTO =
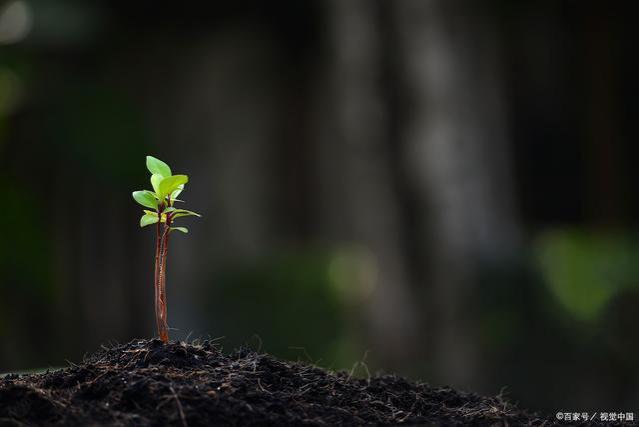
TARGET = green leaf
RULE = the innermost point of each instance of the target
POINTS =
(157, 166)
(177, 213)
(156, 179)
(146, 199)
(171, 183)
(148, 219)
(156, 215)
(182, 229)
(177, 192)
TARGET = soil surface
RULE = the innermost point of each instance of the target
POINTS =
(148, 383)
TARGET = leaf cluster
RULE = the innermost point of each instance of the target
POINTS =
(166, 189)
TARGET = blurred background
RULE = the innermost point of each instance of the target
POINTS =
(439, 189)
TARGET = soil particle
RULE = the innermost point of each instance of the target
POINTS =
(147, 383)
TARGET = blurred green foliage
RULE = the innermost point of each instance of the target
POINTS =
(586, 269)
(25, 252)
(27, 259)
(97, 124)
(290, 304)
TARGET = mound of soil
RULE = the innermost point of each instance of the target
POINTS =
(146, 382)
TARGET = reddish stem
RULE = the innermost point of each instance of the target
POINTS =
(156, 279)
(161, 315)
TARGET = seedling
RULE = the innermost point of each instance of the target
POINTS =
(166, 189)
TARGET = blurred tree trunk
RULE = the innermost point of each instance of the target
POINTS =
(608, 178)
(357, 201)
(455, 152)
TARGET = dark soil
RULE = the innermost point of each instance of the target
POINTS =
(147, 383)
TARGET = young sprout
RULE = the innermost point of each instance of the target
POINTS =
(166, 188)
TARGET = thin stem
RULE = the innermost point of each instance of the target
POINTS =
(156, 279)
(163, 327)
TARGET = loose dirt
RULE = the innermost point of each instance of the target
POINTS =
(147, 383)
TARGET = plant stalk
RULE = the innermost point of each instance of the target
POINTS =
(161, 313)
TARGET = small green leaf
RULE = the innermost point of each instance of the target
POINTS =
(171, 183)
(177, 192)
(177, 213)
(156, 215)
(156, 179)
(182, 229)
(148, 219)
(145, 198)
(157, 166)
